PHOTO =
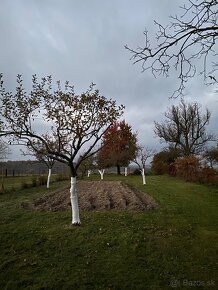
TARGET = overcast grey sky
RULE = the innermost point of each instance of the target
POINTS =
(83, 41)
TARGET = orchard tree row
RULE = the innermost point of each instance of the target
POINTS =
(119, 148)
(56, 124)
(191, 151)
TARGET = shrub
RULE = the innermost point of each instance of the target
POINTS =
(159, 167)
(172, 169)
(188, 167)
(162, 162)
(208, 175)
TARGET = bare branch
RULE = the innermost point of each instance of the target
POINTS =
(190, 38)
(143, 153)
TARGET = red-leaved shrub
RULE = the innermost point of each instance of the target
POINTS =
(188, 167)
(208, 175)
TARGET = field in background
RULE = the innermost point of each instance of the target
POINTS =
(174, 246)
(10, 183)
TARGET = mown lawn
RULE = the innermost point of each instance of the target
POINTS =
(172, 247)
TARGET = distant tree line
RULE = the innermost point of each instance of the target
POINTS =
(30, 167)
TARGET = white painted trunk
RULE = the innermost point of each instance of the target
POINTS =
(143, 179)
(74, 202)
(143, 176)
(89, 172)
(101, 173)
(125, 171)
(49, 177)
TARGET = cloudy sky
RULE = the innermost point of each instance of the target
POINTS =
(83, 41)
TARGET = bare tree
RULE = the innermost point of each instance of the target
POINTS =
(211, 155)
(185, 128)
(188, 38)
(142, 155)
(74, 124)
(40, 154)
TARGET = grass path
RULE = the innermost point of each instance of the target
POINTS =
(172, 246)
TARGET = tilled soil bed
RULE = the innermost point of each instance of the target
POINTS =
(98, 195)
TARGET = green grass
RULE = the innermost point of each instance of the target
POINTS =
(112, 250)
(15, 182)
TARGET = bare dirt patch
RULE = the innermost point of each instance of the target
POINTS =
(99, 195)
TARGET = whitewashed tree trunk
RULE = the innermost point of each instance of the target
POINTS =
(143, 176)
(49, 177)
(125, 171)
(101, 173)
(74, 202)
(89, 172)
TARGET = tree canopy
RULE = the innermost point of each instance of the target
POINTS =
(59, 123)
(185, 128)
(119, 146)
(163, 161)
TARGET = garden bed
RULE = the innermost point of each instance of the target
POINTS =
(99, 195)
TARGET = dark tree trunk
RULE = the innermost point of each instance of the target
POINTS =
(118, 170)
(72, 170)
